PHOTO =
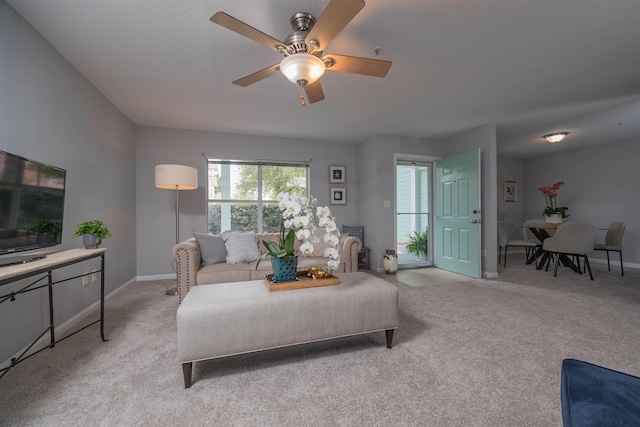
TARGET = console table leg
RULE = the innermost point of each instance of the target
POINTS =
(389, 333)
(51, 324)
(186, 373)
(102, 299)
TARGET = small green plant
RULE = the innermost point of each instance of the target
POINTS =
(52, 228)
(95, 226)
(418, 243)
(283, 249)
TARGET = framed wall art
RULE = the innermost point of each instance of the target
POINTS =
(510, 191)
(338, 196)
(337, 174)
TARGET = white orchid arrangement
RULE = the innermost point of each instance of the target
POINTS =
(302, 216)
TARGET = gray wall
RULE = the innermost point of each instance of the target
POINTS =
(375, 185)
(601, 185)
(156, 207)
(511, 213)
(49, 112)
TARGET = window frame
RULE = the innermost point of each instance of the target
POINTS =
(260, 202)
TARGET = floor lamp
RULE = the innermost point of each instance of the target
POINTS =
(176, 177)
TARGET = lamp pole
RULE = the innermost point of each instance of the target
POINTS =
(176, 177)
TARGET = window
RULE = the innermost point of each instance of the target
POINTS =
(241, 195)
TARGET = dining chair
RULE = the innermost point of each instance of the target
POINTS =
(538, 223)
(572, 238)
(504, 240)
(613, 242)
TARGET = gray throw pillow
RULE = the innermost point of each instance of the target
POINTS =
(212, 248)
(241, 246)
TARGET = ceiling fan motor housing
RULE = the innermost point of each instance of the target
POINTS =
(302, 23)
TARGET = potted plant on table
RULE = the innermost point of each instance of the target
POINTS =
(92, 232)
(301, 216)
(552, 212)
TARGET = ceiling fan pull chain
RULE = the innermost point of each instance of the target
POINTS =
(302, 98)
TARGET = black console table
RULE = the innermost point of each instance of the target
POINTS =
(44, 268)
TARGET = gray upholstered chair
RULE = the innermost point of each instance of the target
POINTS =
(504, 240)
(613, 242)
(572, 238)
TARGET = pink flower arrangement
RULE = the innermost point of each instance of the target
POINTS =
(550, 194)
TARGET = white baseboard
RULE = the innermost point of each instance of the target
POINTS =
(614, 263)
(158, 277)
(67, 327)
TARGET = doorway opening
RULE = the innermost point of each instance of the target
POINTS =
(414, 180)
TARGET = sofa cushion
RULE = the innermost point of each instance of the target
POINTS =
(241, 246)
(212, 248)
(223, 273)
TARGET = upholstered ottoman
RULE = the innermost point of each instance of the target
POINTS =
(592, 395)
(233, 318)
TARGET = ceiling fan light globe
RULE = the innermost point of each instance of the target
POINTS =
(301, 67)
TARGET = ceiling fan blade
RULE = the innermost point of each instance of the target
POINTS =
(334, 18)
(357, 65)
(257, 76)
(314, 92)
(246, 30)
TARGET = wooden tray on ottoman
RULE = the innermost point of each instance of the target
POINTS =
(302, 281)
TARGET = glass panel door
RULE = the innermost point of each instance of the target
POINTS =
(413, 201)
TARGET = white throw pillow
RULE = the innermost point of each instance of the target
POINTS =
(241, 246)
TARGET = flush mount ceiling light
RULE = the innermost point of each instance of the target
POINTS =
(552, 138)
(302, 69)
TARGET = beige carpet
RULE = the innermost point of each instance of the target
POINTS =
(468, 352)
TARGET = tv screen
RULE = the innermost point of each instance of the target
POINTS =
(31, 204)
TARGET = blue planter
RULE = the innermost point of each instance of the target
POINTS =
(284, 269)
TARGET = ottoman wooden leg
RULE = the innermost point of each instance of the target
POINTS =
(186, 372)
(389, 333)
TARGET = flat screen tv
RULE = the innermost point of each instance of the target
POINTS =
(31, 204)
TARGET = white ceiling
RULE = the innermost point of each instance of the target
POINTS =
(530, 67)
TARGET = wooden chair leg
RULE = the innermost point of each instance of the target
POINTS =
(505, 255)
(608, 262)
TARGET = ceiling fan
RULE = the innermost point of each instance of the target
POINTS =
(304, 58)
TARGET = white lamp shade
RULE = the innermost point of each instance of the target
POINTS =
(302, 67)
(176, 177)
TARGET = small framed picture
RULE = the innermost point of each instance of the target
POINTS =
(339, 196)
(510, 191)
(337, 174)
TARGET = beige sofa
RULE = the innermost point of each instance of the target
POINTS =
(191, 273)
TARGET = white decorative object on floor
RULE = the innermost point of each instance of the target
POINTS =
(390, 262)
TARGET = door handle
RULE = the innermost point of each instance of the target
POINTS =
(476, 221)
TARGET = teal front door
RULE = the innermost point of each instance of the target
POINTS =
(458, 213)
